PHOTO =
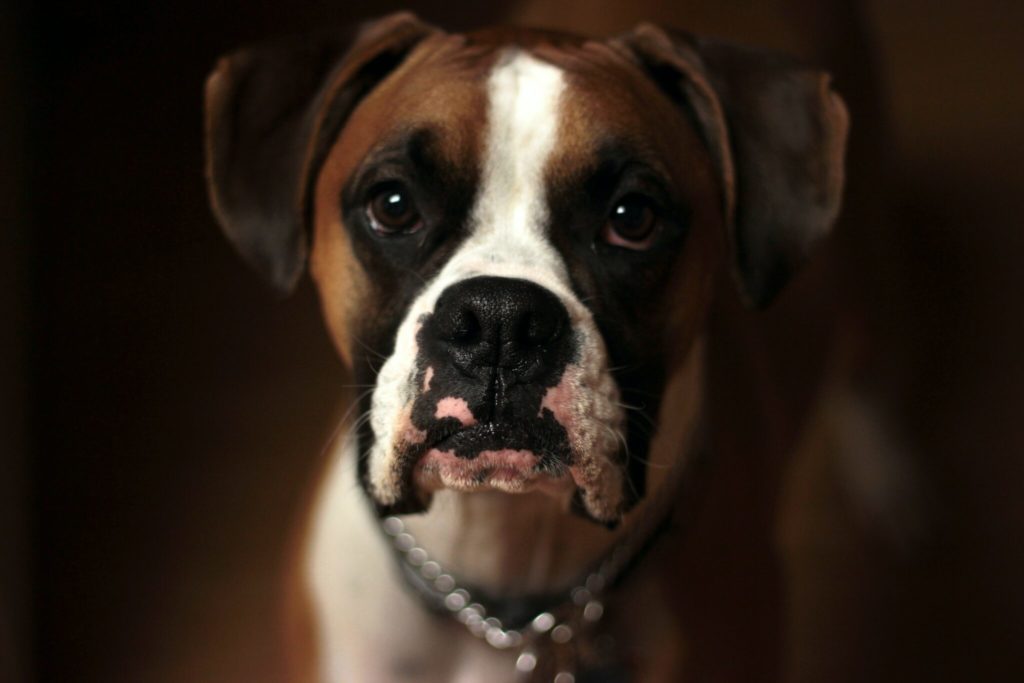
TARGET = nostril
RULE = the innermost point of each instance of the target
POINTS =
(538, 329)
(488, 322)
(463, 328)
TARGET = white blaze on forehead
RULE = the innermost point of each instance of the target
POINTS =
(510, 215)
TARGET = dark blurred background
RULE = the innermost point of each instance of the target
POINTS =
(161, 414)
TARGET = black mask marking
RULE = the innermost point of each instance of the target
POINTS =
(625, 290)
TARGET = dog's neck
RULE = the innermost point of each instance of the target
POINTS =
(530, 543)
(509, 544)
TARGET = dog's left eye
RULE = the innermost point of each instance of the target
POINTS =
(632, 223)
(392, 211)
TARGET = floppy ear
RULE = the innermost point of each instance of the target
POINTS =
(777, 134)
(271, 115)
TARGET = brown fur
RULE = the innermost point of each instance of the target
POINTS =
(442, 87)
(441, 83)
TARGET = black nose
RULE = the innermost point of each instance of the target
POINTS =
(504, 323)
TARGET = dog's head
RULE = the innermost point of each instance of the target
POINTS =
(515, 234)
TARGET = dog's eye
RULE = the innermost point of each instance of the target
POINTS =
(392, 211)
(632, 223)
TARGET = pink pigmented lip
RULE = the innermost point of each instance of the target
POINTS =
(559, 400)
(452, 406)
(512, 471)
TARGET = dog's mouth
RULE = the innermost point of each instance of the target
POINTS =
(433, 427)
(514, 458)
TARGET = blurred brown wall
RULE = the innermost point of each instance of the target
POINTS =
(176, 409)
(15, 600)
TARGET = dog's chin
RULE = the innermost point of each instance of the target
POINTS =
(591, 486)
(507, 470)
(583, 468)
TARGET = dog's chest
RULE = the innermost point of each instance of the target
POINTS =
(370, 627)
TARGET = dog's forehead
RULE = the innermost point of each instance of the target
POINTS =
(455, 86)
(437, 88)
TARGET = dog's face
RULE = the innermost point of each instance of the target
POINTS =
(515, 236)
(513, 256)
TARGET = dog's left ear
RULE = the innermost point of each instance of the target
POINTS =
(777, 134)
(271, 114)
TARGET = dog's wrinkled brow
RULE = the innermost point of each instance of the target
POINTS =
(414, 151)
(616, 159)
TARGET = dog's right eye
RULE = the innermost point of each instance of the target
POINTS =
(391, 210)
(632, 223)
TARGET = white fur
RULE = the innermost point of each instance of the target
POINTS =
(365, 618)
(509, 239)
(511, 210)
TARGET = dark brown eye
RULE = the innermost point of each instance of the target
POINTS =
(392, 211)
(632, 223)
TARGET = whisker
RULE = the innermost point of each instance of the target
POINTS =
(412, 272)
(638, 392)
(329, 442)
(370, 365)
(359, 423)
(368, 348)
(640, 412)
(620, 368)
(630, 455)
(652, 465)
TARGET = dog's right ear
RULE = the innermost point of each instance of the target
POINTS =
(777, 133)
(271, 115)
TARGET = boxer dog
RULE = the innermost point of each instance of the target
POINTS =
(516, 236)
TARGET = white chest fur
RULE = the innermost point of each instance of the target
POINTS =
(369, 627)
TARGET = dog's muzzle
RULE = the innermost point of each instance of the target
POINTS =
(491, 351)
(500, 384)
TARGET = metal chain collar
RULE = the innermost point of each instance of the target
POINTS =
(556, 629)
(561, 642)
(556, 644)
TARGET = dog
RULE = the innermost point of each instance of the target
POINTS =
(517, 237)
